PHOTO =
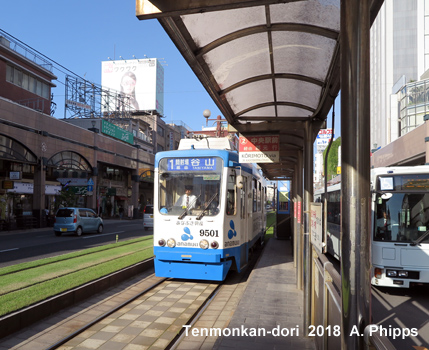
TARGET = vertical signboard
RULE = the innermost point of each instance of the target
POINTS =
(140, 81)
(316, 226)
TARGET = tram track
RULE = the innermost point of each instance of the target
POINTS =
(154, 317)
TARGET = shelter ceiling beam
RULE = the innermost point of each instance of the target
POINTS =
(147, 9)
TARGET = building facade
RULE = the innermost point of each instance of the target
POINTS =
(100, 163)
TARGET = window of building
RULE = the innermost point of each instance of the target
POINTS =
(161, 131)
(27, 82)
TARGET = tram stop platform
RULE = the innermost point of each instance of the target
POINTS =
(264, 311)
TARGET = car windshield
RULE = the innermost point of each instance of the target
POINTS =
(402, 217)
(190, 186)
(148, 209)
(65, 213)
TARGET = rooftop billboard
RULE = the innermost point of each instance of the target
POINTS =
(140, 81)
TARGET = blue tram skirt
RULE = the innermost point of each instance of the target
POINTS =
(189, 264)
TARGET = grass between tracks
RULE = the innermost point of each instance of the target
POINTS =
(24, 284)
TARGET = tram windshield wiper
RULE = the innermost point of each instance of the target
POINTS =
(420, 239)
(207, 205)
(181, 216)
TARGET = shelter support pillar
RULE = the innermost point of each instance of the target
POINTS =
(298, 231)
(293, 215)
(355, 160)
(427, 138)
(308, 198)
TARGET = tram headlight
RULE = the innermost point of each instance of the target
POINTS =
(204, 244)
(214, 245)
(161, 243)
(171, 243)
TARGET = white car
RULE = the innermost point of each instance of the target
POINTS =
(148, 216)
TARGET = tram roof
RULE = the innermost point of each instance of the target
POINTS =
(270, 66)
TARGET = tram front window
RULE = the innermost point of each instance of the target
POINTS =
(402, 217)
(190, 188)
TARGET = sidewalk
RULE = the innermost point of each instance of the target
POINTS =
(267, 302)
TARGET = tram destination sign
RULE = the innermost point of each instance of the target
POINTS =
(259, 149)
(191, 164)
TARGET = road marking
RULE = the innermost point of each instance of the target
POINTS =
(104, 234)
(8, 250)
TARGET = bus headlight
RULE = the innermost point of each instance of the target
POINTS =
(171, 243)
(403, 274)
(204, 244)
(161, 243)
(391, 273)
(214, 245)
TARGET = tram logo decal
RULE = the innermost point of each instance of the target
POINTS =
(187, 235)
(232, 232)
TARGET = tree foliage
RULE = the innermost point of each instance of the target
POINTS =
(332, 159)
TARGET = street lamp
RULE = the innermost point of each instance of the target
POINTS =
(219, 120)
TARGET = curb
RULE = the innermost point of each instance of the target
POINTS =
(20, 319)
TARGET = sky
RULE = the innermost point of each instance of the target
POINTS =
(80, 34)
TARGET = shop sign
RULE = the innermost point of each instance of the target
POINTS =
(27, 188)
(116, 132)
(7, 185)
(15, 175)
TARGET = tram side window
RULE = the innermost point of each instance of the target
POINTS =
(230, 195)
(254, 188)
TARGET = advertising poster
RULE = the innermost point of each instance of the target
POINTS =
(134, 85)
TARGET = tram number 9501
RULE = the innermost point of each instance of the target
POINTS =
(209, 233)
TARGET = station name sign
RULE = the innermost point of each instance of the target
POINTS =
(259, 149)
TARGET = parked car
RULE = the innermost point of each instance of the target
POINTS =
(148, 216)
(77, 220)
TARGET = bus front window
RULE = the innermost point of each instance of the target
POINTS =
(402, 217)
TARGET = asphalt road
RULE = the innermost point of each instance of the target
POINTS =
(22, 246)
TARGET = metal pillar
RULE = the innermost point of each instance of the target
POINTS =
(298, 241)
(355, 151)
(308, 198)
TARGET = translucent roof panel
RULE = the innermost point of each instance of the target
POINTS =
(250, 95)
(302, 53)
(300, 92)
(201, 26)
(268, 111)
(322, 13)
(292, 112)
(239, 59)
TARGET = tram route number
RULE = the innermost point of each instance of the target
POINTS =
(209, 233)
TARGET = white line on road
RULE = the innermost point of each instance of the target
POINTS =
(8, 250)
(104, 234)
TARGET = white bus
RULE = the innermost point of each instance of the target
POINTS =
(400, 225)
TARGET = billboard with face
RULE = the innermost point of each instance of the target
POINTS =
(133, 85)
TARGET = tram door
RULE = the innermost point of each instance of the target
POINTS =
(244, 220)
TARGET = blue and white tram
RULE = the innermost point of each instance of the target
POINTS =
(212, 232)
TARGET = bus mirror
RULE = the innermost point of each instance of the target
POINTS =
(386, 196)
(239, 181)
